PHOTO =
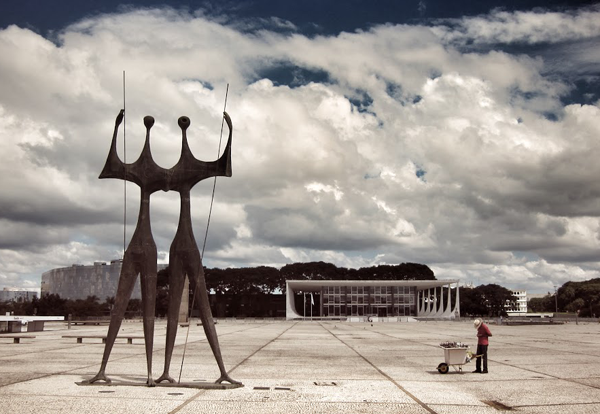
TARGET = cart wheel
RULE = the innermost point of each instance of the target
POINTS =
(443, 368)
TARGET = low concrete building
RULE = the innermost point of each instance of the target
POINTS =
(16, 295)
(79, 281)
(368, 299)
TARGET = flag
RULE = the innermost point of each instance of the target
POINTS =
(312, 300)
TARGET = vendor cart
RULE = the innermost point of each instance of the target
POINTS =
(455, 357)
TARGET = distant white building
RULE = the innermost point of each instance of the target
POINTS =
(521, 304)
(16, 295)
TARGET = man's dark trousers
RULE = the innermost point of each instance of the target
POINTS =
(481, 350)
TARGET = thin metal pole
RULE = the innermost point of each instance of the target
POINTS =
(125, 165)
(205, 236)
(215, 180)
(187, 333)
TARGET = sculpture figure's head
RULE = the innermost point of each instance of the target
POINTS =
(184, 122)
(148, 121)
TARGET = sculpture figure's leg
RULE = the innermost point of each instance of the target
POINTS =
(198, 284)
(148, 284)
(176, 284)
(124, 290)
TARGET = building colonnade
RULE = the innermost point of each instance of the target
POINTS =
(430, 307)
(364, 299)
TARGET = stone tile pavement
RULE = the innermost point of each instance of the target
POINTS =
(310, 367)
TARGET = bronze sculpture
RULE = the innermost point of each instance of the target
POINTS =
(184, 256)
(141, 256)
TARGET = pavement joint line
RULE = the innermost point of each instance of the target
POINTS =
(497, 405)
(554, 350)
(9, 356)
(189, 400)
(554, 377)
(529, 345)
(224, 334)
(219, 335)
(67, 372)
(534, 371)
(544, 392)
(261, 348)
(400, 387)
(78, 346)
(570, 404)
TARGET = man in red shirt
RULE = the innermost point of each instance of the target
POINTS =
(483, 332)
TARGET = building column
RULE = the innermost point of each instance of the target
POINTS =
(290, 305)
(321, 303)
(456, 310)
(448, 312)
(440, 311)
(431, 302)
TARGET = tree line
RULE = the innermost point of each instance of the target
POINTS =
(265, 279)
(237, 283)
(582, 298)
(54, 305)
(486, 300)
(242, 284)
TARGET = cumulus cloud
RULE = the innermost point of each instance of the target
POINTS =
(388, 145)
(537, 26)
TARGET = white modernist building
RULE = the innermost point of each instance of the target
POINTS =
(364, 299)
(520, 307)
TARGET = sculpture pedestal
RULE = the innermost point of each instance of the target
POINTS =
(197, 385)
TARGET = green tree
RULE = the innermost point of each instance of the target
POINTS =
(109, 304)
(134, 308)
(497, 298)
(490, 300)
(590, 293)
(545, 304)
(312, 271)
(84, 308)
(472, 302)
(51, 304)
(580, 296)
(403, 271)
(575, 306)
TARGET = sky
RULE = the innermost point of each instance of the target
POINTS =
(461, 135)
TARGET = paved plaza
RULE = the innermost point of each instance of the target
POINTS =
(310, 367)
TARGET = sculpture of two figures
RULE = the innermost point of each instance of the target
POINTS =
(184, 257)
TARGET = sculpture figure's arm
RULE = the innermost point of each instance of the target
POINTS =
(224, 162)
(114, 167)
